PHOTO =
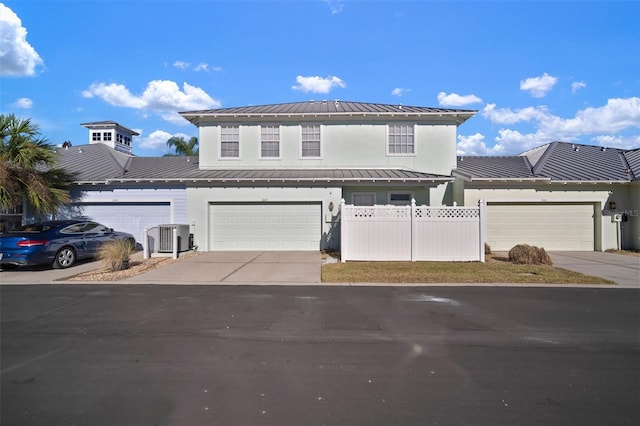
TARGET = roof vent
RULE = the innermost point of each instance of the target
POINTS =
(400, 106)
(603, 149)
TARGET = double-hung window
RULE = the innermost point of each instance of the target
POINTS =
(230, 141)
(401, 140)
(310, 141)
(270, 141)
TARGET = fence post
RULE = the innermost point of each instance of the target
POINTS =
(343, 240)
(414, 230)
(482, 209)
(175, 242)
(145, 246)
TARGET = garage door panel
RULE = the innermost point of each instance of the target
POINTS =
(265, 226)
(126, 217)
(552, 226)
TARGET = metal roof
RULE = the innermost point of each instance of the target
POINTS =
(633, 160)
(556, 161)
(513, 167)
(109, 125)
(92, 162)
(99, 164)
(563, 161)
(321, 109)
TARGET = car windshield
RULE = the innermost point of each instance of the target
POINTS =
(34, 228)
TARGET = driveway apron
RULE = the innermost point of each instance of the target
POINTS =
(621, 269)
(238, 267)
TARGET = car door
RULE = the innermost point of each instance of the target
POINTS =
(73, 235)
(95, 235)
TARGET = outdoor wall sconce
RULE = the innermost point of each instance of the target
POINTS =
(612, 205)
(331, 206)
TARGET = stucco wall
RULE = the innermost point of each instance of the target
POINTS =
(198, 200)
(353, 145)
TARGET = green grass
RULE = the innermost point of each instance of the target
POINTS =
(495, 270)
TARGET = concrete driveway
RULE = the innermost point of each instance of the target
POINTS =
(621, 269)
(239, 267)
(234, 267)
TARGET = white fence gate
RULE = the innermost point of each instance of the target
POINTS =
(415, 233)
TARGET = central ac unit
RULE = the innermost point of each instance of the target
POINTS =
(166, 237)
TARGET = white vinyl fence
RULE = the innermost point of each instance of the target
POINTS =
(412, 233)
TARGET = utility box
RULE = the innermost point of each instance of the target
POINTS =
(165, 238)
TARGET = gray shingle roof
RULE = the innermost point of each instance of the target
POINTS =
(556, 161)
(327, 108)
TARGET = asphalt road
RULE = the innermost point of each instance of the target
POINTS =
(317, 355)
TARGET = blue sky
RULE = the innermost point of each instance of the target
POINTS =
(536, 71)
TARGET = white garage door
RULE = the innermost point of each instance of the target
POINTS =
(551, 226)
(264, 226)
(127, 217)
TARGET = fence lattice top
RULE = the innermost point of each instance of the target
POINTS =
(404, 212)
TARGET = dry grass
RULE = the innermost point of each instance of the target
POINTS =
(625, 252)
(494, 270)
(529, 255)
(115, 255)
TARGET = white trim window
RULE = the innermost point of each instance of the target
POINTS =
(95, 136)
(230, 141)
(363, 198)
(310, 141)
(107, 136)
(270, 141)
(399, 198)
(400, 139)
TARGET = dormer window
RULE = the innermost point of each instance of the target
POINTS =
(95, 136)
(107, 136)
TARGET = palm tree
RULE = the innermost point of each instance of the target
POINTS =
(28, 168)
(183, 147)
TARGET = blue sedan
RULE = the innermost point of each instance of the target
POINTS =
(57, 242)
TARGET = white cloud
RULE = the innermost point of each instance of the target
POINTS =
(217, 68)
(399, 91)
(163, 97)
(538, 87)
(605, 125)
(617, 115)
(472, 145)
(316, 84)
(23, 103)
(158, 140)
(181, 64)
(17, 57)
(335, 6)
(508, 116)
(202, 67)
(577, 85)
(454, 99)
(622, 142)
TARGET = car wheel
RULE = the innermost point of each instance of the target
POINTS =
(65, 257)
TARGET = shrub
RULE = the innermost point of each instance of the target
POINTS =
(529, 255)
(115, 254)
